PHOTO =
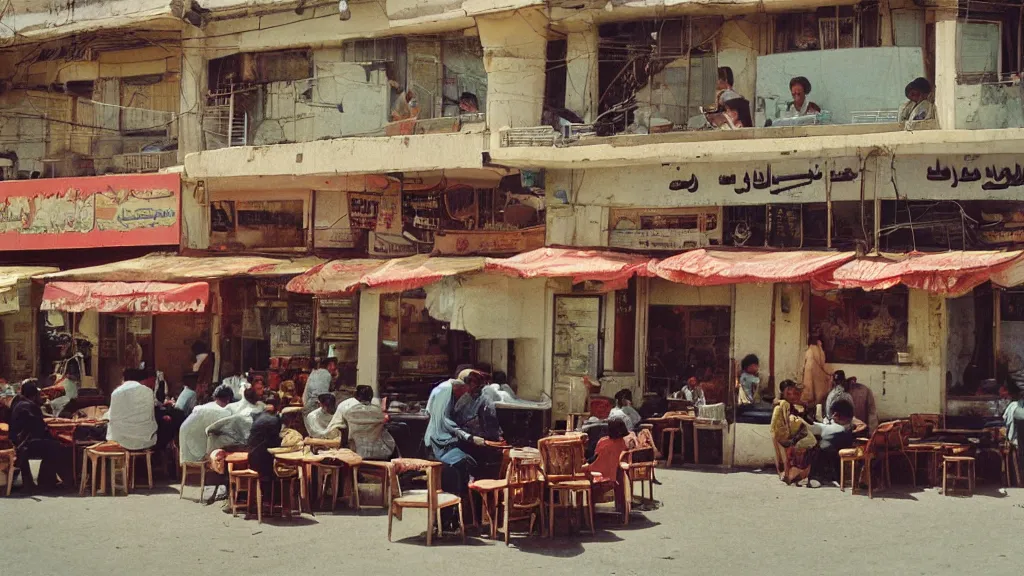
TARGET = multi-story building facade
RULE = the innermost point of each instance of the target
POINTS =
(383, 130)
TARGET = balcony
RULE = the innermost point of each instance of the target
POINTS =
(37, 20)
(367, 88)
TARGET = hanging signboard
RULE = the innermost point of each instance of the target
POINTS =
(665, 228)
(102, 211)
(488, 242)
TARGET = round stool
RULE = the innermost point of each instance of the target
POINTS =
(242, 480)
(133, 456)
(670, 450)
(99, 455)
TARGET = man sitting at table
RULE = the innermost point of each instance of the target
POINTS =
(186, 401)
(862, 398)
(132, 417)
(836, 433)
(365, 423)
(318, 422)
(193, 440)
(475, 411)
(264, 435)
(33, 440)
(624, 409)
(252, 399)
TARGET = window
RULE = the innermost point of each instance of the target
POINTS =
(858, 327)
(977, 48)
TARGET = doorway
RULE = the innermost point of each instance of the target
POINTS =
(684, 341)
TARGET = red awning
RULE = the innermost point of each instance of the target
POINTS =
(419, 271)
(951, 273)
(126, 297)
(717, 267)
(345, 276)
(612, 268)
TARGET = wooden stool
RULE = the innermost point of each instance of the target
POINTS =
(240, 478)
(382, 472)
(288, 484)
(118, 465)
(134, 455)
(958, 462)
(185, 467)
(670, 451)
(7, 460)
(329, 473)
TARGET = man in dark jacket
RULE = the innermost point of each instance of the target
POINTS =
(33, 440)
(264, 435)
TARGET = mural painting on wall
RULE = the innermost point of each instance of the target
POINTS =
(132, 210)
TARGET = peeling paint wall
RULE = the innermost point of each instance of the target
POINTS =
(989, 106)
(51, 17)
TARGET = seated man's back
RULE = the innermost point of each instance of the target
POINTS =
(366, 433)
(192, 437)
(132, 419)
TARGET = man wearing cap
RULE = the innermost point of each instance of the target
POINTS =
(917, 107)
(193, 440)
(32, 438)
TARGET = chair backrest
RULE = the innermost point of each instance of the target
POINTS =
(563, 458)
(640, 462)
(923, 424)
(880, 438)
(525, 482)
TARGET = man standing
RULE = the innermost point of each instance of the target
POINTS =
(33, 440)
(132, 417)
(816, 377)
(863, 403)
(319, 382)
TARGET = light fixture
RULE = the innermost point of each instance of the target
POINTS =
(343, 12)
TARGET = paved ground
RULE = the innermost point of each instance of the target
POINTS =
(737, 523)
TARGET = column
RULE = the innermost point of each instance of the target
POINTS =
(515, 57)
(369, 339)
(193, 95)
(945, 67)
(581, 86)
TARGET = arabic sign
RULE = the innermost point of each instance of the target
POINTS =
(126, 297)
(986, 177)
(489, 242)
(716, 184)
(665, 228)
(130, 210)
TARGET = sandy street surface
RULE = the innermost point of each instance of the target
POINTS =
(710, 522)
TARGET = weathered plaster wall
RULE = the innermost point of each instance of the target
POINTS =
(515, 57)
(43, 18)
(752, 326)
(987, 106)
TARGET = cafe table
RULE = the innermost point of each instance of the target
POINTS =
(306, 462)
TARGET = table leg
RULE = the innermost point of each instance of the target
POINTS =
(696, 446)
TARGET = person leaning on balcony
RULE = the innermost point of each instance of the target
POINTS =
(737, 114)
(917, 107)
(800, 88)
(724, 87)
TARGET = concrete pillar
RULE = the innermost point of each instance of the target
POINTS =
(369, 340)
(515, 54)
(193, 96)
(945, 68)
(581, 86)
(737, 50)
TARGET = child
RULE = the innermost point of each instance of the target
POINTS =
(749, 379)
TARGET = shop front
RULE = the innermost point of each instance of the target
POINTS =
(19, 312)
(151, 311)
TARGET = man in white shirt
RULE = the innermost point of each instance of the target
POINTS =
(318, 422)
(132, 419)
(252, 399)
(319, 382)
(192, 438)
(366, 433)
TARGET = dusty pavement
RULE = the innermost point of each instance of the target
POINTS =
(737, 523)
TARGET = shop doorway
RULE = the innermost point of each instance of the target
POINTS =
(684, 341)
(577, 352)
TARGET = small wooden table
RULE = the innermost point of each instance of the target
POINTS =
(697, 427)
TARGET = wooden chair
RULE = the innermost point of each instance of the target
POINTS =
(7, 461)
(490, 492)
(245, 478)
(563, 461)
(865, 453)
(133, 457)
(523, 495)
(921, 425)
(185, 467)
(637, 466)
(433, 499)
(898, 444)
(287, 483)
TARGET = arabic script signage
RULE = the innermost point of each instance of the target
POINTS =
(978, 177)
(489, 242)
(129, 210)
